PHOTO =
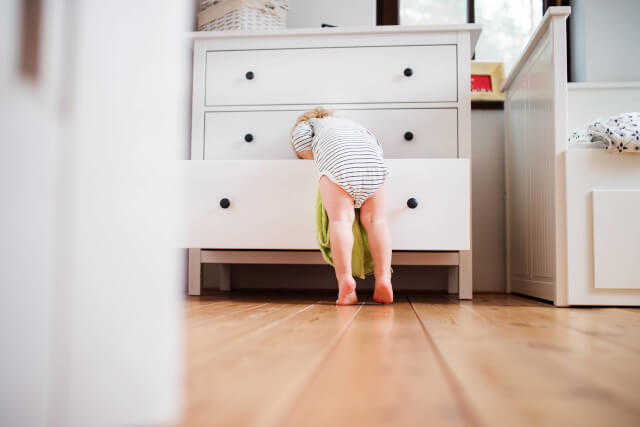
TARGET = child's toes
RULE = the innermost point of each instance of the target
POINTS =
(347, 291)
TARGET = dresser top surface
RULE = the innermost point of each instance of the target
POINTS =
(474, 31)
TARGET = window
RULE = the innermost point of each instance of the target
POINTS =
(432, 12)
(506, 28)
(507, 24)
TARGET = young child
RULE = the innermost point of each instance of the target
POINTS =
(352, 175)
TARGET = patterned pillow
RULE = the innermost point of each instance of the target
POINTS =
(619, 133)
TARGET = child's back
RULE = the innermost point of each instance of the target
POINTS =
(345, 152)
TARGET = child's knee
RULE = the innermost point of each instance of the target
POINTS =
(343, 217)
(369, 219)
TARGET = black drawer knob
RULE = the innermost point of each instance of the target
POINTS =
(412, 203)
(408, 72)
(248, 137)
(249, 75)
(225, 203)
(408, 136)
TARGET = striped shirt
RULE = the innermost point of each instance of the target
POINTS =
(345, 152)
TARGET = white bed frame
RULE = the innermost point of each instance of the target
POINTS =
(573, 214)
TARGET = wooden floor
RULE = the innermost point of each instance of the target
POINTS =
(298, 360)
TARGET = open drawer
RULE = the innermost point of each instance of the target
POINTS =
(408, 133)
(270, 204)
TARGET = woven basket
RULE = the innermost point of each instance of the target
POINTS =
(207, 3)
(216, 15)
(204, 4)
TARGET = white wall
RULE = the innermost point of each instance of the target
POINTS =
(9, 19)
(27, 253)
(605, 40)
(90, 314)
(121, 315)
(488, 200)
(314, 13)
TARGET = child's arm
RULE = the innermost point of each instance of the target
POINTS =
(301, 139)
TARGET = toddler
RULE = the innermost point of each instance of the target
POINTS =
(352, 176)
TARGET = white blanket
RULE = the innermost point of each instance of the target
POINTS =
(619, 133)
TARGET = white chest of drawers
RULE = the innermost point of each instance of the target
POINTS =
(249, 200)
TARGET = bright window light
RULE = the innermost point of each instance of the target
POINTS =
(432, 12)
(506, 28)
(506, 24)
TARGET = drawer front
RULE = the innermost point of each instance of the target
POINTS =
(612, 236)
(442, 218)
(331, 75)
(403, 133)
(272, 204)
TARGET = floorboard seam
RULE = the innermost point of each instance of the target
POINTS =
(232, 341)
(554, 323)
(207, 320)
(194, 309)
(542, 310)
(206, 304)
(456, 387)
(258, 330)
(313, 372)
(564, 323)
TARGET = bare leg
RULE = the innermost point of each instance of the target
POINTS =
(374, 221)
(340, 210)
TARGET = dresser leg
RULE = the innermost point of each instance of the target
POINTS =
(225, 277)
(453, 279)
(195, 272)
(466, 276)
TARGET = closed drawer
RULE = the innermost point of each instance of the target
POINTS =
(331, 75)
(613, 236)
(403, 133)
(272, 204)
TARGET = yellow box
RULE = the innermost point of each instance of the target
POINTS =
(480, 71)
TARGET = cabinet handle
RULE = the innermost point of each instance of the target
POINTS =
(408, 72)
(408, 136)
(248, 137)
(249, 75)
(225, 203)
(412, 203)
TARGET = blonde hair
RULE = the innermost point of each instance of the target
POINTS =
(315, 113)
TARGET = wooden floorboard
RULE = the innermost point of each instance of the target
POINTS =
(613, 325)
(204, 342)
(205, 317)
(518, 360)
(632, 311)
(273, 359)
(251, 381)
(382, 373)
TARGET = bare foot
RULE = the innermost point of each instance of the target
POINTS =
(383, 292)
(347, 292)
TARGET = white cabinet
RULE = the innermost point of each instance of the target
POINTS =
(246, 190)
